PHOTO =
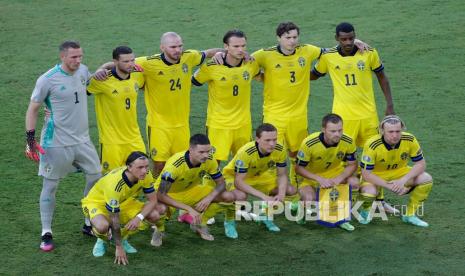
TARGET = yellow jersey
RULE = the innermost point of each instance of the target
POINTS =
(318, 157)
(286, 80)
(116, 107)
(352, 81)
(184, 175)
(251, 161)
(229, 92)
(378, 156)
(114, 188)
(168, 87)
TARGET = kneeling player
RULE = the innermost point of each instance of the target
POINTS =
(259, 169)
(385, 164)
(321, 158)
(112, 201)
(185, 184)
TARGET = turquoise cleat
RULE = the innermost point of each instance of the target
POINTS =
(230, 229)
(347, 226)
(99, 248)
(365, 217)
(127, 247)
(414, 220)
(271, 226)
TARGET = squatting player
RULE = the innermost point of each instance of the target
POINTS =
(259, 169)
(384, 164)
(229, 124)
(65, 136)
(326, 159)
(116, 108)
(183, 184)
(112, 202)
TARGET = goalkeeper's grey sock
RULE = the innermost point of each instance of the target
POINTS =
(47, 203)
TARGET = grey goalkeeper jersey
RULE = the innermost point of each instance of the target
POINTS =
(66, 98)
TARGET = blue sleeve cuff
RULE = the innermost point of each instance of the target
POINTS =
(195, 82)
(216, 175)
(316, 73)
(148, 190)
(240, 170)
(379, 69)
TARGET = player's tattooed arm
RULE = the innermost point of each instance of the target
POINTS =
(220, 185)
(115, 228)
(165, 186)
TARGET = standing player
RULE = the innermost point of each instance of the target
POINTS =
(286, 68)
(112, 202)
(351, 75)
(259, 169)
(326, 159)
(228, 123)
(385, 165)
(65, 135)
(167, 96)
(183, 185)
(116, 108)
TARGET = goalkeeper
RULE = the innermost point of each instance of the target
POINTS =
(65, 142)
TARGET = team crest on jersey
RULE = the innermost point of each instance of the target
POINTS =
(340, 155)
(239, 163)
(366, 158)
(278, 66)
(404, 156)
(136, 87)
(301, 61)
(333, 195)
(185, 68)
(62, 88)
(115, 92)
(153, 152)
(113, 202)
(83, 80)
(213, 150)
(361, 65)
(48, 168)
(246, 75)
(271, 164)
(94, 210)
(301, 154)
(105, 165)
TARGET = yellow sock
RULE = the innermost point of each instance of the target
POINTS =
(212, 210)
(367, 200)
(355, 195)
(380, 194)
(161, 224)
(294, 180)
(417, 196)
(230, 212)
